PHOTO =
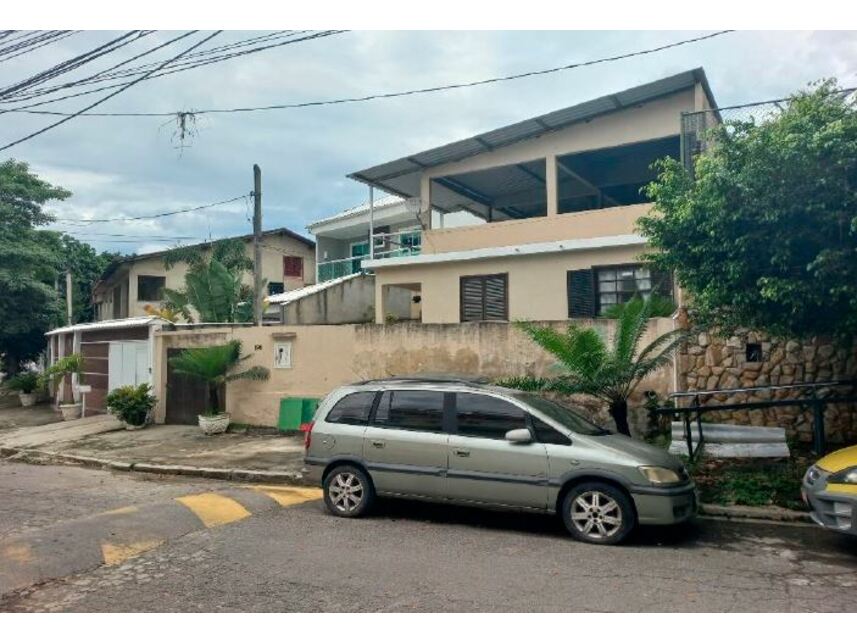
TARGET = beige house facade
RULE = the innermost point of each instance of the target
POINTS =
(131, 284)
(558, 196)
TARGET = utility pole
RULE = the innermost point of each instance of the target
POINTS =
(68, 296)
(257, 244)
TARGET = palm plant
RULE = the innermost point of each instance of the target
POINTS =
(214, 366)
(592, 367)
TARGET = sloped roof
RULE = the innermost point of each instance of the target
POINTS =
(109, 324)
(299, 293)
(385, 201)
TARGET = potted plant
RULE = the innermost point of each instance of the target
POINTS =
(215, 365)
(26, 383)
(132, 405)
(56, 373)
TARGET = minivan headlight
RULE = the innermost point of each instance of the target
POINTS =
(846, 476)
(660, 475)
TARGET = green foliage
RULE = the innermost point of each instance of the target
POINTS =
(28, 306)
(765, 237)
(68, 365)
(750, 483)
(661, 306)
(131, 404)
(24, 382)
(214, 366)
(213, 284)
(590, 366)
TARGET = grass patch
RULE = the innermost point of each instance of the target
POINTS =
(752, 482)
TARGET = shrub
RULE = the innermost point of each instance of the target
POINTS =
(131, 404)
(67, 365)
(26, 382)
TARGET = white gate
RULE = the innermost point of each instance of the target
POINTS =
(128, 362)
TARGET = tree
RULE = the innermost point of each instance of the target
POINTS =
(214, 365)
(591, 367)
(214, 285)
(29, 305)
(764, 235)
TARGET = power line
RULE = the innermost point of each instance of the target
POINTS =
(109, 96)
(397, 94)
(36, 42)
(155, 216)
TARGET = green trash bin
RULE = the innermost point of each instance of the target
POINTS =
(291, 414)
(308, 408)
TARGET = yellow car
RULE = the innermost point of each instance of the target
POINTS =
(830, 489)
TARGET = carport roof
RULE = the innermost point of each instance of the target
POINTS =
(109, 324)
(402, 176)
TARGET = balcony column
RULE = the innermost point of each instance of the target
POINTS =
(551, 185)
(425, 202)
(371, 222)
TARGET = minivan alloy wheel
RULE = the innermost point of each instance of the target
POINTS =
(346, 491)
(596, 515)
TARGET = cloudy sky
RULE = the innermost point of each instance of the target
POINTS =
(121, 167)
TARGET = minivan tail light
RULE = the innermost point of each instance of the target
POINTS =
(306, 428)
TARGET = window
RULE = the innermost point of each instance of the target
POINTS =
(566, 417)
(150, 288)
(483, 416)
(592, 291)
(276, 287)
(293, 266)
(546, 434)
(412, 410)
(410, 242)
(753, 352)
(352, 409)
(485, 298)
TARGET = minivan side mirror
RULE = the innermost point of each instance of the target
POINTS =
(519, 436)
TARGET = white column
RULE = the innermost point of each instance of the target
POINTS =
(371, 222)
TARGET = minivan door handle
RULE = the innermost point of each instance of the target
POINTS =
(462, 453)
(378, 444)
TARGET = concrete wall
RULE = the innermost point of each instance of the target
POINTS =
(537, 283)
(324, 357)
(274, 249)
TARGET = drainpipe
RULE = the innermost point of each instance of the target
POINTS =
(371, 222)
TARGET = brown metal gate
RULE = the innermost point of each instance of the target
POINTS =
(187, 397)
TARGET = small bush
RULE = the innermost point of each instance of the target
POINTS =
(131, 404)
(750, 483)
(26, 382)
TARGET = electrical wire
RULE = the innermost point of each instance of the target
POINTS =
(397, 94)
(109, 96)
(155, 216)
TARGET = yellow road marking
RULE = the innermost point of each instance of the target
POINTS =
(286, 496)
(213, 509)
(118, 512)
(19, 553)
(114, 554)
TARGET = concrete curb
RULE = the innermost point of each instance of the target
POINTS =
(742, 512)
(32, 456)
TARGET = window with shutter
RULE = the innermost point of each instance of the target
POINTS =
(293, 266)
(485, 298)
(581, 293)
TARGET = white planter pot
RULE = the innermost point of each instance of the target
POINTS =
(27, 399)
(70, 411)
(214, 424)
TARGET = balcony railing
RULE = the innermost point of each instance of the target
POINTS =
(402, 243)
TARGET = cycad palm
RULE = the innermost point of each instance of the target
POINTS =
(592, 367)
(213, 365)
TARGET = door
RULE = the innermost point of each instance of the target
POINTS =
(405, 446)
(187, 397)
(484, 466)
(128, 363)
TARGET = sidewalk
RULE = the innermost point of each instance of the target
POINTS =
(167, 449)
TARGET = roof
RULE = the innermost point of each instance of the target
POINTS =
(396, 176)
(108, 324)
(299, 293)
(385, 201)
(508, 251)
(111, 268)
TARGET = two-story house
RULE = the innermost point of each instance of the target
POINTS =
(559, 195)
(132, 283)
(393, 224)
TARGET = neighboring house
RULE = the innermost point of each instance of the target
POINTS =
(131, 283)
(342, 240)
(559, 195)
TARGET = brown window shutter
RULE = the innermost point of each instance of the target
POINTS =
(581, 293)
(293, 267)
(496, 299)
(485, 298)
(471, 298)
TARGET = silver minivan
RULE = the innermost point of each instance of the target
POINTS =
(455, 441)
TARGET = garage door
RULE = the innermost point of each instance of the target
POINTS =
(129, 363)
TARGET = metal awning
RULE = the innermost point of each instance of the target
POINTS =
(402, 176)
(110, 324)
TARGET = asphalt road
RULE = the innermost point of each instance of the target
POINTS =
(289, 555)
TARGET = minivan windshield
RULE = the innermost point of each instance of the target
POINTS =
(568, 418)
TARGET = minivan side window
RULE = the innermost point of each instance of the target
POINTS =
(483, 416)
(352, 409)
(546, 434)
(411, 410)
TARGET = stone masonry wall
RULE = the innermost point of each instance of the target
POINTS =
(712, 362)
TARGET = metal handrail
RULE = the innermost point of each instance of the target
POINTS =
(776, 387)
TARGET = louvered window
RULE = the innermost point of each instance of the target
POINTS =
(293, 266)
(485, 298)
(591, 292)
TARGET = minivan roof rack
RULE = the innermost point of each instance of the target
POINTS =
(432, 379)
